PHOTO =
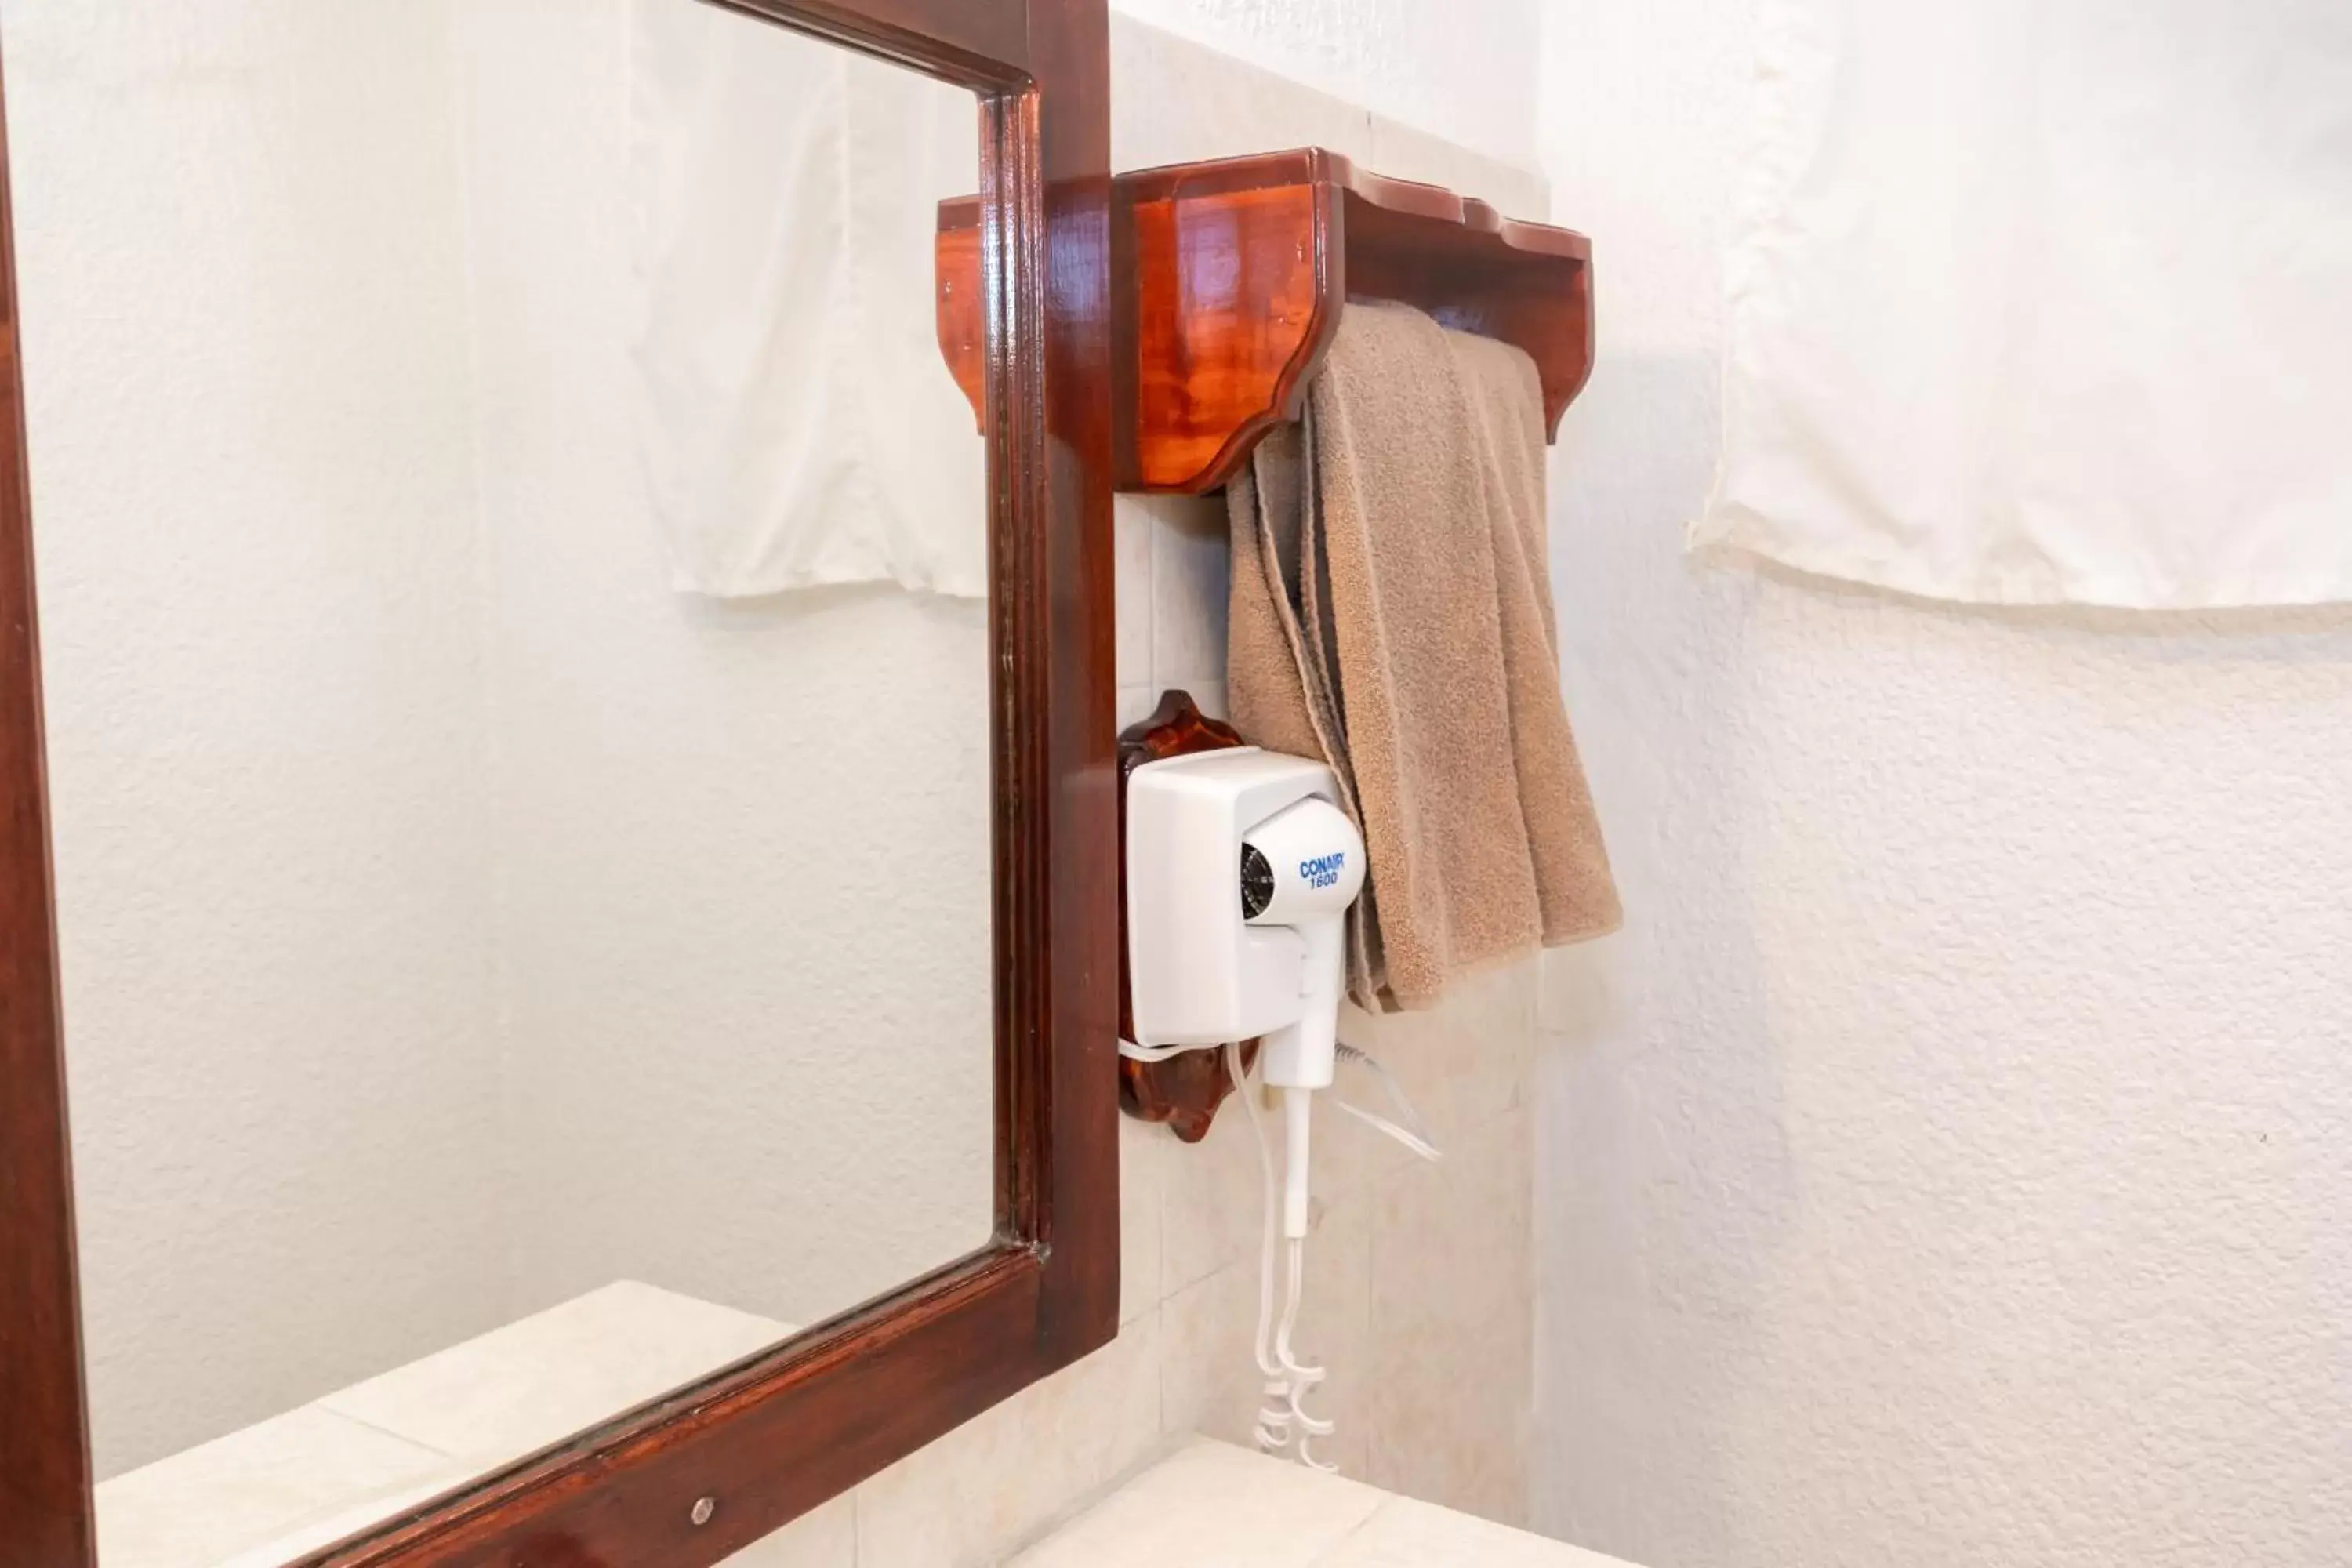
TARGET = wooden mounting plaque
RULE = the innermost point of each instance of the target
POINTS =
(1229, 276)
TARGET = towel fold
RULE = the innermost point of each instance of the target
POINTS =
(1392, 614)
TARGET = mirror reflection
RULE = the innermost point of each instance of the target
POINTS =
(513, 567)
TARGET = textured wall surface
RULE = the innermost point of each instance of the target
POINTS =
(1947, 1164)
(451, 923)
(743, 846)
(1463, 70)
(273, 906)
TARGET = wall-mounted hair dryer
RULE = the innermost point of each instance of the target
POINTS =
(1240, 870)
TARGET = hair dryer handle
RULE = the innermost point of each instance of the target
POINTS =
(1305, 1054)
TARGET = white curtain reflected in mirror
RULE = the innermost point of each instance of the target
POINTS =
(516, 959)
(795, 425)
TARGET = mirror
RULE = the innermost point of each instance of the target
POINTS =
(512, 565)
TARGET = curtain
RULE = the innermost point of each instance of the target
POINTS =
(2047, 300)
(797, 423)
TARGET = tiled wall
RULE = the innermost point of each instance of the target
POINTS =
(1420, 1290)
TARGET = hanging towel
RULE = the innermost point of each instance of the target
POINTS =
(797, 424)
(1392, 614)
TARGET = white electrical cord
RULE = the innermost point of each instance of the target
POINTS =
(1410, 1130)
(1284, 1422)
(1287, 1379)
(1135, 1053)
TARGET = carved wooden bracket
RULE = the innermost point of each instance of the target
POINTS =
(1183, 1091)
(1229, 276)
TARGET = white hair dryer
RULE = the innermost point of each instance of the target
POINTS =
(1241, 867)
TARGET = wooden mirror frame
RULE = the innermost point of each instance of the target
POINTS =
(775, 1436)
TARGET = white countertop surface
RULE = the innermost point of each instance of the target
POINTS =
(306, 1478)
(1210, 1505)
(270, 1492)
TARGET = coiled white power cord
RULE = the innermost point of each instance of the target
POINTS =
(1284, 1422)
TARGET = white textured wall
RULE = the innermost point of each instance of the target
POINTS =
(453, 918)
(1460, 69)
(254, 522)
(1948, 1165)
(744, 848)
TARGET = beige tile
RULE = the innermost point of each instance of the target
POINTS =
(329, 1530)
(1000, 1480)
(1190, 551)
(1403, 152)
(825, 1538)
(1209, 1381)
(333, 1529)
(1133, 523)
(539, 1381)
(1173, 101)
(1141, 1170)
(1335, 1330)
(1453, 1327)
(269, 1492)
(1461, 1065)
(1408, 1534)
(1210, 1503)
(1212, 1385)
(1136, 704)
(1576, 995)
(1212, 1200)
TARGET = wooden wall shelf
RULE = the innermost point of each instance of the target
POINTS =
(1228, 278)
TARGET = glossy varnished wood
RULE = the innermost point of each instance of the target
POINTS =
(45, 1479)
(1071, 836)
(770, 1439)
(1236, 295)
(977, 43)
(1233, 275)
(963, 308)
(1183, 1091)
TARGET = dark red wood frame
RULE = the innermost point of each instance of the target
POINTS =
(775, 1436)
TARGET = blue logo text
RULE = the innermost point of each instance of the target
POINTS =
(1323, 870)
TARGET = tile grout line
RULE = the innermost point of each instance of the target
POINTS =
(325, 1407)
(1355, 1531)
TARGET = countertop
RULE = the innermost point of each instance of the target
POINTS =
(1210, 1505)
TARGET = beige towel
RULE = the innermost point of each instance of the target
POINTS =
(1392, 615)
